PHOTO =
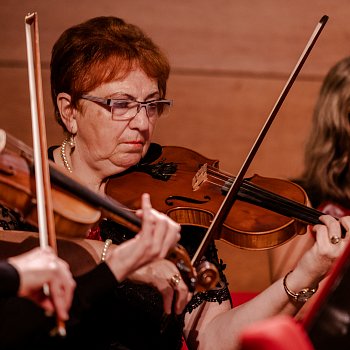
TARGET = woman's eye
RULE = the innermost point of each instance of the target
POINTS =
(121, 104)
(152, 105)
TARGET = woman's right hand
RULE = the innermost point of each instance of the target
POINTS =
(157, 236)
(160, 274)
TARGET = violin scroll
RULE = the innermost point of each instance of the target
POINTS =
(205, 277)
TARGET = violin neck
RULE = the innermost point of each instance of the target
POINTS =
(110, 205)
(256, 195)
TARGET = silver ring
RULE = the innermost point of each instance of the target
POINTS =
(335, 239)
(175, 280)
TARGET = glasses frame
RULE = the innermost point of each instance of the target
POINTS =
(110, 102)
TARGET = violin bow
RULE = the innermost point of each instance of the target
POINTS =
(46, 222)
(231, 196)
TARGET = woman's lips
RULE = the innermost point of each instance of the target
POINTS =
(134, 144)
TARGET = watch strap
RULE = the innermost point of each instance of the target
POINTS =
(303, 295)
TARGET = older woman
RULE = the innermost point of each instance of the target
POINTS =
(109, 89)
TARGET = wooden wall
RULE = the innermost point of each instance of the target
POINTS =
(230, 61)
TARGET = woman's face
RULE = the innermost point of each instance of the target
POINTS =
(110, 146)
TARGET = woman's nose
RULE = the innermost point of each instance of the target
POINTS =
(140, 121)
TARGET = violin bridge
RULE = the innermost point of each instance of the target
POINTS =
(200, 177)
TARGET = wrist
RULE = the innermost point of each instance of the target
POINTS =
(123, 259)
(298, 295)
(314, 265)
(107, 244)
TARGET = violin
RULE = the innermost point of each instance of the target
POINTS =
(190, 189)
(76, 208)
(73, 217)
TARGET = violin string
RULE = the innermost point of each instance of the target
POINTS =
(19, 146)
(221, 182)
(283, 206)
(222, 173)
(257, 189)
(279, 204)
(273, 201)
(214, 183)
(313, 213)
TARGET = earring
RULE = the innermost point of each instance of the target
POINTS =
(71, 141)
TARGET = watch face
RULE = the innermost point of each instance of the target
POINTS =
(305, 294)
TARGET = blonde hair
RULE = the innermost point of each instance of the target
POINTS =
(327, 168)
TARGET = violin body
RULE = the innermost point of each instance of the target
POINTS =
(170, 179)
(72, 216)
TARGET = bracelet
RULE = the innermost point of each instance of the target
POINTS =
(108, 242)
(303, 295)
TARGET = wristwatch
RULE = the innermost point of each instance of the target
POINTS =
(303, 295)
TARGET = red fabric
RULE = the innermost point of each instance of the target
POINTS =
(239, 298)
(94, 233)
(184, 346)
(277, 333)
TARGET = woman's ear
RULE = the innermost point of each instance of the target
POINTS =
(67, 112)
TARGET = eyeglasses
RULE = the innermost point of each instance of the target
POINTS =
(128, 109)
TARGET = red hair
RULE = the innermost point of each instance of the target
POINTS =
(101, 50)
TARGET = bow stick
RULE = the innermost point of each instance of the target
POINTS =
(231, 196)
(46, 223)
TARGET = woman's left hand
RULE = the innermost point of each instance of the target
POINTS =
(158, 233)
(157, 236)
(328, 247)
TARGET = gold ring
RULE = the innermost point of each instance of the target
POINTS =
(175, 280)
(335, 239)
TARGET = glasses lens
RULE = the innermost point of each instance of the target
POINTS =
(159, 108)
(126, 109)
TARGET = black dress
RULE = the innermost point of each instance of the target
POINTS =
(9, 280)
(129, 315)
(25, 325)
(141, 326)
(105, 314)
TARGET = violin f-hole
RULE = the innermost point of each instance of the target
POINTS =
(169, 200)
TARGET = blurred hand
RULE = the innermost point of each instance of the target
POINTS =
(41, 266)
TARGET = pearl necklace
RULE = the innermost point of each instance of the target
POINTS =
(64, 156)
